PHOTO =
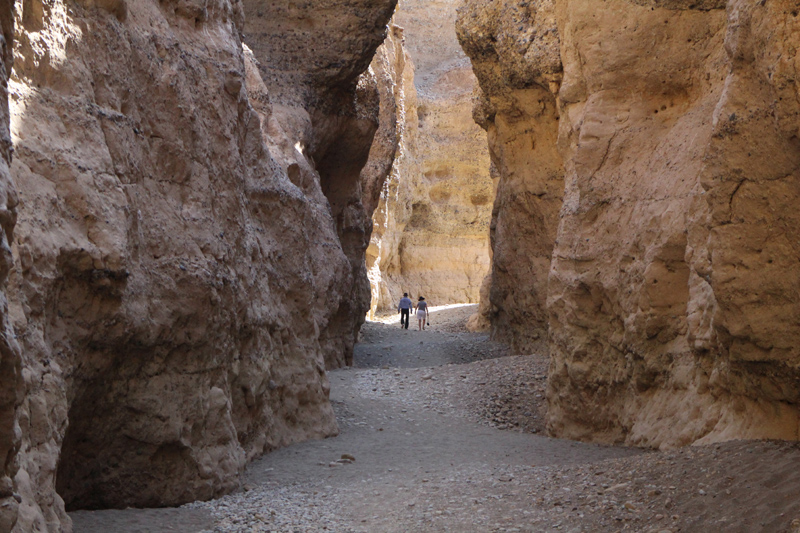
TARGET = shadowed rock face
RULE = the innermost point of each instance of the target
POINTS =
(186, 260)
(311, 57)
(10, 356)
(516, 105)
(672, 292)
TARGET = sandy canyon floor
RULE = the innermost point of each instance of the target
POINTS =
(430, 441)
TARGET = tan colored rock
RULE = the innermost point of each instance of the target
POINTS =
(390, 68)
(672, 296)
(187, 251)
(312, 89)
(393, 210)
(395, 144)
(672, 309)
(432, 238)
(481, 321)
(518, 73)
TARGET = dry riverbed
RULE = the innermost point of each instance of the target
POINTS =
(442, 431)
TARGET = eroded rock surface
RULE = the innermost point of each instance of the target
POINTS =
(672, 292)
(10, 356)
(431, 232)
(187, 251)
(518, 71)
(311, 58)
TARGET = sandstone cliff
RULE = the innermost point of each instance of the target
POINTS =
(392, 201)
(518, 70)
(431, 237)
(190, 245)
(311, 58)
(672, 293)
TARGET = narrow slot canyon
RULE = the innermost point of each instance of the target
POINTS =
(211, 209)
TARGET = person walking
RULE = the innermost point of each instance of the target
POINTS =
(404, 308)
(422, 312)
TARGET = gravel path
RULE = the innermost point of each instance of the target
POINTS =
(439, 433)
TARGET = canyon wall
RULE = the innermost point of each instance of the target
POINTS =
(432, 239)
(10, 355)
(519, 71)
(394, 199)
(672, 296)
(189, 250)
(310, 58)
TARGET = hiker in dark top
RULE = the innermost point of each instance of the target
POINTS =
(422, 312)
(404, 308)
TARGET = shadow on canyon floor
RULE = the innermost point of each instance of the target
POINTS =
(427, 445)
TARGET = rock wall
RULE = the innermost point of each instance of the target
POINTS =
(672, 292)
(186, 259)
(397, 136)
(312, 90)
(433, 239)
(519, 72)
(10, 355)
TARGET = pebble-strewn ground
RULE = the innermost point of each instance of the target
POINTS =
(450, 448)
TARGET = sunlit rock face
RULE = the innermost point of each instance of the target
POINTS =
(186, 255)
(671, 298)
(432, 226)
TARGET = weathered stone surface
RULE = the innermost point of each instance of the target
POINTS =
(10, 356)
(187, 251)
(312, 87)
(635, 127)
(433, 239)
(394, 156)
(672, 296)
(518, 73)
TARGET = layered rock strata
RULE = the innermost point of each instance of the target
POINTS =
(431, 238)
(186, 260)
(672, 293)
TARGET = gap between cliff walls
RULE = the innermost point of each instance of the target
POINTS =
(431, 227)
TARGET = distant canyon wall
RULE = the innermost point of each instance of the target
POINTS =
(188, 256)
(669, 294)
(431, 226)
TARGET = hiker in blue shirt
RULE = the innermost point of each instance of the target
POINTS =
(404, 308)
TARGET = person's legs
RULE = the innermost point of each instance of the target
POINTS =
(404, 318)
